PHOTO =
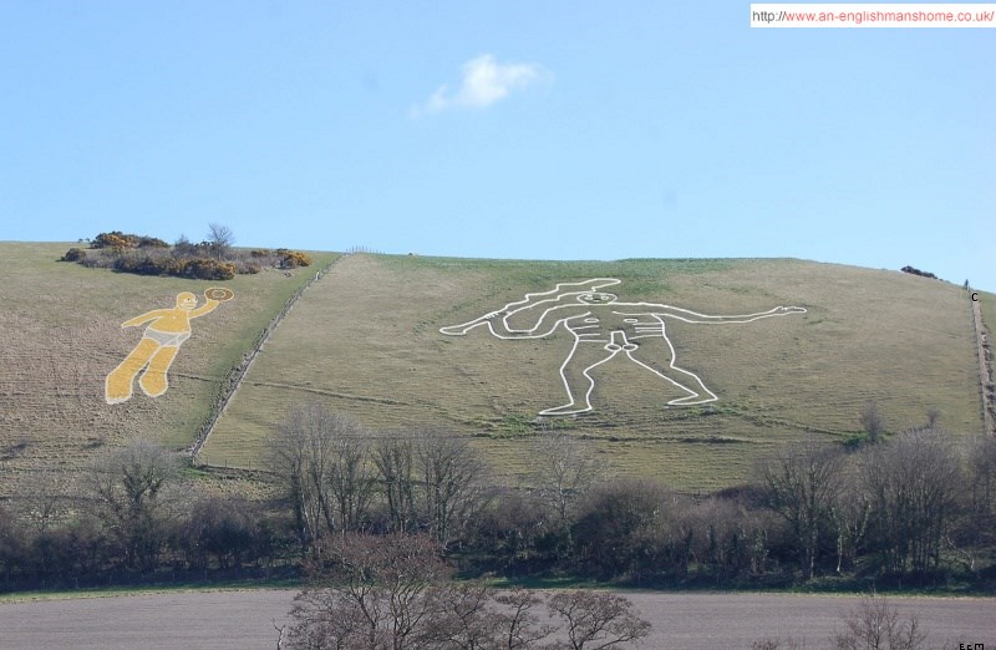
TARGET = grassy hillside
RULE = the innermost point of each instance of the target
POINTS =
(61, 335)
(365, 340)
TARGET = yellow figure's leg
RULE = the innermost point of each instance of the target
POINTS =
(154, 381)
(117, 386)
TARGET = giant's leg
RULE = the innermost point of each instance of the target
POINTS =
(154, 381)
(117, 385)
(656, 354)
(575, 374)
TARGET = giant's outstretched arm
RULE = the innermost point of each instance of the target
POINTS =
(145, 318)
(206, 308)
(689, 316)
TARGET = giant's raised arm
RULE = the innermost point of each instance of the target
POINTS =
(496, 320)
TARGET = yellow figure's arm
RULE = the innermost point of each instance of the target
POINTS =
(206, 308)
(145, 318)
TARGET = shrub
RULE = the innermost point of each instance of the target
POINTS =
(292, 259)
(114, 239)
(185, 248)
(149, 242)
(206, 269)
(74, 255)
(248, 268)
(119, 240)
(915, 271)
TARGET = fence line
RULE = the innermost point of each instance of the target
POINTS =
(233, 378)
(985, 370)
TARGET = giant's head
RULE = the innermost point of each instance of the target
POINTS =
(597, 298)
(186, 301)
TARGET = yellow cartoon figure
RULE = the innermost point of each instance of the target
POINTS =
(167, 330)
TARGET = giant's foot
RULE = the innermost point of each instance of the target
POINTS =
(154, 383)
(117, 387)
(691, 400)
(567, 409)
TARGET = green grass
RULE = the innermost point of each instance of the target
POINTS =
(172, 588)
(365, 340)
(62, 335)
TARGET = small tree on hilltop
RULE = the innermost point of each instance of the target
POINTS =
(220, 238)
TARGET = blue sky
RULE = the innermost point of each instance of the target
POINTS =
(553, 130)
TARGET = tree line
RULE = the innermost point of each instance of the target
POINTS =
(907, 509)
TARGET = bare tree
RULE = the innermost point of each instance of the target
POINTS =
(982, 470)
(394, 459)
(519, 625)
(320, 459)
(220, 238)
(130, 488)
(872, 423)
(778, 644)
(394, 592)
(371, 592)
(352, 479)
(914, 484)
(596, 620)
(619, 530)
(803, 483)
(851, 511)
(876, 625)
(563, 472)
(42, 498)
(722, 537)
(452, 479)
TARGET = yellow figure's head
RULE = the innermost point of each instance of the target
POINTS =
(186, 301)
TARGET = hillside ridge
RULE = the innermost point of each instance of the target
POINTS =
(365, 339)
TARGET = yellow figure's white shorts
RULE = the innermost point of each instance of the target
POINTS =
(167, 339)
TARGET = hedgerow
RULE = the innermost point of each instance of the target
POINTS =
(142, 255)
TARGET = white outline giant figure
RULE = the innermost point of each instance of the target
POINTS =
(602, 328)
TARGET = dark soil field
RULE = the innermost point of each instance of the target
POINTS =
(244, 619)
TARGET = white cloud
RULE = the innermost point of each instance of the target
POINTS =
(484, 82)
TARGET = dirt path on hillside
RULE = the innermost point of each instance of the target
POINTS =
(235, 376)
(245, 619)
(984, 348)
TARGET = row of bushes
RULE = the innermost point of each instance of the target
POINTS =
(210, 536)
(127, 253)
(197, 269)
(287, 259)
(809, 511)
(911, 510)
(200, 268)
